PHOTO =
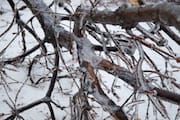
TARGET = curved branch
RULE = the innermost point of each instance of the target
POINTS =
(24, 108)
(19, 57)
(130, 79)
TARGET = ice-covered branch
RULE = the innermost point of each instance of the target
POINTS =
(42, 12)
(165, 13)
(130, 79)
(89, 61)
(144, 85)
(95, 89)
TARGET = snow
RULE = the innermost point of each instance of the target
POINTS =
(65, 88)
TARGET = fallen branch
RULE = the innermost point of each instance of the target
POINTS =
(165, 13)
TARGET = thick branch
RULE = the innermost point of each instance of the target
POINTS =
(130, 78)
(167, 95)
(48, 23)
(54, 76)
(171, 34)
(165, 13)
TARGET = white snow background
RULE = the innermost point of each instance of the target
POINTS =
(17, 75)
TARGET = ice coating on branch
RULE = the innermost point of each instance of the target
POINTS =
(125, 44)
(87, 53)
(101, 98)
(144, 85)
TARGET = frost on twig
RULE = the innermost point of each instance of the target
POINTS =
(94, 88)
(157, 40)
(125, 44)
(80, 106)
(145, 87)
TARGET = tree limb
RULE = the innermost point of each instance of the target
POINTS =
(166, 13)
(130, 79)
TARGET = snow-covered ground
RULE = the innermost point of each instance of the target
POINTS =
(19, 91)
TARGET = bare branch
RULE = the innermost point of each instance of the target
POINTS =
(165, 13)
